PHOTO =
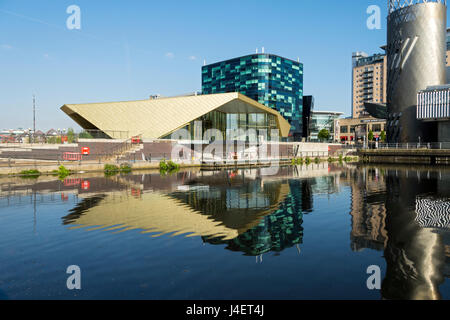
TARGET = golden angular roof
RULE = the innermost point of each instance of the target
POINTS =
(157, 118)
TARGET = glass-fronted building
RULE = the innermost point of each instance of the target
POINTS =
(271, 80)
(323, 120)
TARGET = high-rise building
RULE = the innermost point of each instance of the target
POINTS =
(369, 81)
(273, 81)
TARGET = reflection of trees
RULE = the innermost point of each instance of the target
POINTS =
(280, 230)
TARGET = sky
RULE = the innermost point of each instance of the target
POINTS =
(129, 50)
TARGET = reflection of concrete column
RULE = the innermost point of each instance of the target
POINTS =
(415, 256)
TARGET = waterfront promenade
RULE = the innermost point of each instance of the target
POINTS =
(437, 153)
(147, 154)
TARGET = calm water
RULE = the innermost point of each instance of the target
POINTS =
(306, 233)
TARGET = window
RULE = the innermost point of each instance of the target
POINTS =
(376, 127)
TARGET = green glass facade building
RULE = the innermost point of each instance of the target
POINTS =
(273, 81)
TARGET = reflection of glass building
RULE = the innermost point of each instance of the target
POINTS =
(322, 120)
(276, 232)
(271, 80)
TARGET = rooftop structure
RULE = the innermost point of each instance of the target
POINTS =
(159, 118)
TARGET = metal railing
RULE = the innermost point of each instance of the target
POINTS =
(407, 146)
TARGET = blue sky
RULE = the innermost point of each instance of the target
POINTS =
(128, 50)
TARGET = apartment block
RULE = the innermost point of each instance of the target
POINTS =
(369, 81)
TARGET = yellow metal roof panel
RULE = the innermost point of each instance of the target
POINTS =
(159, 117)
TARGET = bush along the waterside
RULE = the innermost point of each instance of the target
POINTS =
(341, 158)
(125, 168)
(168, 167)
(30, 174)
(308, 160)
(317, 160)
(296, 161)
(62, 172)
(330, 159)
(111, 169)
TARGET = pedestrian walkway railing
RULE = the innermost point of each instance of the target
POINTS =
(411, 145)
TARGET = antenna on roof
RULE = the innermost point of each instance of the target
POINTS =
(298, 59)
(256, 50)
(204, 62)
(262, 49)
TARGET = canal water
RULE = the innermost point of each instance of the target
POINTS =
(307, 232)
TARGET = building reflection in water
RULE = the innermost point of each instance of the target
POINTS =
(275, 232)
(245, 211)
(403, 213)
(406, 214)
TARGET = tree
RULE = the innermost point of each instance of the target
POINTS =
(324, 135)
(70, 135)
(370, 135)
(383, 136)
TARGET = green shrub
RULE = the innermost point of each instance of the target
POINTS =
(63, 172)
(111, 169)
(308, 160)
(340, 158)
(317, 160)
(163, 165)
(173, 166)
(168, 166)
(30, 174)
(125, 168)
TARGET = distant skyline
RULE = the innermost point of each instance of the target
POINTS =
(131, 50)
